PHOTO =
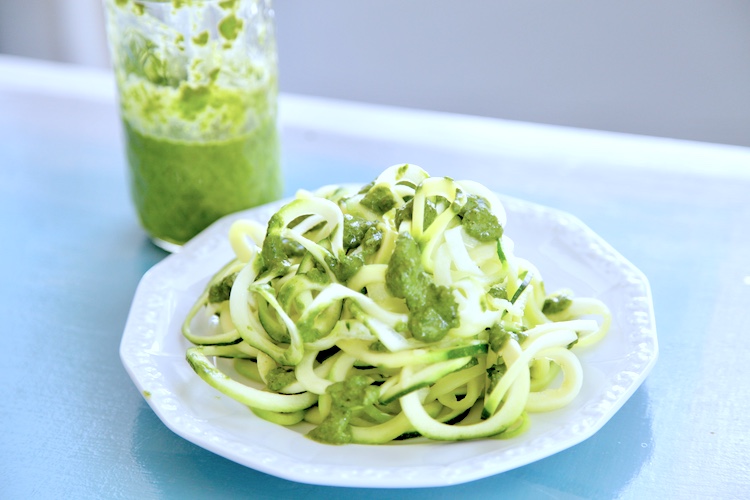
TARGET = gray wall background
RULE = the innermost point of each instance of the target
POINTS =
(672, 68)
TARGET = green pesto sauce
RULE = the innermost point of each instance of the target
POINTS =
(372, 241)
(346, 266)
(378, 346)
(318, 326)
(347, 399)
(181, 187)
(406, 213)
(220, 291)
(276, 250)
(500, 335)
(201, 38)
(432, 309)
(358, 232)
(317, 276)
(499, 292)
(292, 248)
(478, 220)
(379, 199)
(230, 27)
(280, 377)
(495, 373)
(556, 304)
(355, 229)
(273, 252)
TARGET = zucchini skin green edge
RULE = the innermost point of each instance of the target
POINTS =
(249, 396)
(413, 357)
(505, 417)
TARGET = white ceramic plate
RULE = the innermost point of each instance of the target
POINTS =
(566, 252)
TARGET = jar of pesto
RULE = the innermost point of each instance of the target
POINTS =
(197, 82)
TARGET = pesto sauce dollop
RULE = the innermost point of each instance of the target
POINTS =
(556, 304)
(478, 220)
(277, 250)
(220, 291)
(406, 212)
(347, 398)
(280, 377)
(432, 309)
(379, 199)
(358, 232)
(355, 228)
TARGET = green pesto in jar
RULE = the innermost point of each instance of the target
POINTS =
(199, 114)
(180, 187)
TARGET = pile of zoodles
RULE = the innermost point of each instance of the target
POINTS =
(387, 312)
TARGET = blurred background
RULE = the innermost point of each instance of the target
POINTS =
(670, 68)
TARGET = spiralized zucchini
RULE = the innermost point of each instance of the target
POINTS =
(389, 312)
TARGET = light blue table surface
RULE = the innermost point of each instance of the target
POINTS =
(72, 254)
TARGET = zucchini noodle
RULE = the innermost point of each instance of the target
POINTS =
(388, 312)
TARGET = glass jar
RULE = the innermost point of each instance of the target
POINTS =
(197, 85)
